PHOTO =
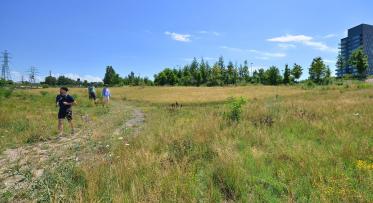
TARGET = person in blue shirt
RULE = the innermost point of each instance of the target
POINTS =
(106, 94)
(65, 102)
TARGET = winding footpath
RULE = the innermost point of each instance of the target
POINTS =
(22, 166)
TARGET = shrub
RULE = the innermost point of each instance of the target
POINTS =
(309, 85)
(62, 183)
(6, 92)
(363, 86)
(235, 108)
(44, 93)
(45, 86)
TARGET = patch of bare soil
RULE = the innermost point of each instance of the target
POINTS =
(21, 166)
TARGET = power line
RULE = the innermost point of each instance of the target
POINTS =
(32, 73)
(5, 70)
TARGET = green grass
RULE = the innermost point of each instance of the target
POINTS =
(303, 147)
(29, 117)
(292, 144)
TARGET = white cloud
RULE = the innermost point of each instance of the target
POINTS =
(17, 76)
(179, 37)
(320, 46)
(74, 76)
(210, 58)
(234, 49)
(291, 38)
(268, 54)
(306, 40)
(286, 46)
(263, 55)
(209, 32)
(329, 36)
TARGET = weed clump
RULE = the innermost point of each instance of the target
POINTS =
(265, 120)
(44, 93)
(6, 92)
(235, 109)
(60, 184)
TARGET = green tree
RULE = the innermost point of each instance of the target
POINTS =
(261, 76)
(186, 76)
(194, 71)
(359, 60)
(215, 76)
(287, 73)
(255, 78)
(62, 80)
(296, 72)
(317, 70)
(340, 63)
(245, 72)
(223, 71)
(203, 69)
(160, 79)
(328, 72)
(272, 76)
(111, 77)
(85, 83)
(229, 77)
(50, 80)
(166, 77)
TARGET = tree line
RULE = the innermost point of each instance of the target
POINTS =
(111, 78)
(199, 73)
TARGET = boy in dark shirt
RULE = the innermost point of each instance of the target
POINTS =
(65, 102)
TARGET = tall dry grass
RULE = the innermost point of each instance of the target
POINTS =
(290, 144)
(293, 145)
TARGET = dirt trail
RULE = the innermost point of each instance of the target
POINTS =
(20, 167)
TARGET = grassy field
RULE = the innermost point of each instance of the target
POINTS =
(29, 116)
(289, 144)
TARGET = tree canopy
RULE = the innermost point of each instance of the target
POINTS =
(359, 60)
(318, 70)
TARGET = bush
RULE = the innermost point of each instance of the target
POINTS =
(4, 83)
(45, 86)
(6, 92)
(44, 93)
(363, 86)
(309, 85)
(62, 183)
(235, 108)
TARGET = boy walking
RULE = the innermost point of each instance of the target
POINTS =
(92, 92)
(106, 95)
(65, 102)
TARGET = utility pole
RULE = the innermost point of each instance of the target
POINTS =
(5, 70)
(33, 72)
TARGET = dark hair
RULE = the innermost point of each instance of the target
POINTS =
(65, 88)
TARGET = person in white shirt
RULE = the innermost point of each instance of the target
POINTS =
(106, 94)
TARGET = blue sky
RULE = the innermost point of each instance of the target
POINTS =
(80, 38)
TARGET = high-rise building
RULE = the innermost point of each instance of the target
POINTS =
(359, 36)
